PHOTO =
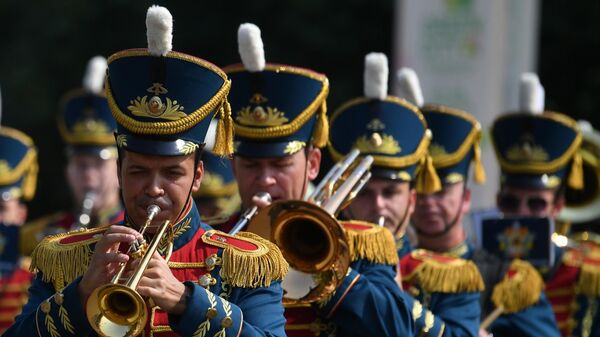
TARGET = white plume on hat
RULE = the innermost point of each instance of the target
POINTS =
(531, 94)
(93, 80)
(211, 135)
(376, 75)
(250, 47)
(409, 86)
(159, 30)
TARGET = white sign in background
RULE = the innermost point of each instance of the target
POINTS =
(469, 54)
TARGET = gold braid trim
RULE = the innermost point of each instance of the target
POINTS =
(224, 140)
(457, 277)
(375, 244)
(245, 269)
(520, 290)
(321, 130)
(589, 280)
(62, 263)
(427, 179)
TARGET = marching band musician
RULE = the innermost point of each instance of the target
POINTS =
(395, 133)
(18, 178)
(86, 126)
(539, 158)
(438, 220)
(199, 282)
(281, 124)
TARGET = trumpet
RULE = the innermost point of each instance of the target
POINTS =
(116, 308)
(308, 234)
(249, 213)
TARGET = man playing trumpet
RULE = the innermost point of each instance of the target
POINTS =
(198, 281)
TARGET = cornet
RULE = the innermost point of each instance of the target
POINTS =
(116, 309)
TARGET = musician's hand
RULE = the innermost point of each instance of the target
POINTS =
(165, 290)
(483, 333)
(106, 259)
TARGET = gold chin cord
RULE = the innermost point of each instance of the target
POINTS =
(307, 232)
(116, 308)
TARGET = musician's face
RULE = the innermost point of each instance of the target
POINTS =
(285, 178)
(436, 213)
(12, 212)
(516, 201)
(394, 200)
(86, 172)
(164, 181)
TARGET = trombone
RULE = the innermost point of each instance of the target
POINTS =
(307, 232)
(116, 308)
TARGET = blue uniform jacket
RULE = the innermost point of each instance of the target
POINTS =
(214, 308)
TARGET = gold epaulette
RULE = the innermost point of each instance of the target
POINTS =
(370, 242)
(28, 237)
(249, 261)
(444, 273)
(520, 288)
(63, 257)
(589, 273)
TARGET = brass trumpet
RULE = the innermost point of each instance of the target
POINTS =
(117, 309)
(307, 232)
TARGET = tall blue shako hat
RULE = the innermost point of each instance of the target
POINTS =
(18, 164)
(456, 134)
(389, 128)
(537, 148)
(164, 101)
(84, 121)
(278, 109)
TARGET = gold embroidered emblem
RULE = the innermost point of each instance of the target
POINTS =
(527, 152)
(375, 125)
(186, 147)
(4, 167)
(154, 107)
(385, 144)
(453, 178)
(403, 175)
(294, 146)
(212, 181)
(437, 150)
(259, 116)
(121, 141)
(91, 126)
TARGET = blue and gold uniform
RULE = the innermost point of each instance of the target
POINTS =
(278, 111)
(395, 132)
(86, 126)
(18, 177)
(539, 151)
(454, 150)
(163, 102)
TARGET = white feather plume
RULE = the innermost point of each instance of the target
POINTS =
(531, 94)
(250, 47)
(376, 75)
(409, 86)
(211, 135)
(159, 30)
(93, 81)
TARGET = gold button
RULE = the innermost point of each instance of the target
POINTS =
(45, 306)
(211, 313)
(226, 322)
(59, 298)
(205, 280)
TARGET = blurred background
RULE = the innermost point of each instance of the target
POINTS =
(469, 54)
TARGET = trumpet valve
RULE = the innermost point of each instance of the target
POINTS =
(140, 250)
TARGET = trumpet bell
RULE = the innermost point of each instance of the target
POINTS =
(116, 310)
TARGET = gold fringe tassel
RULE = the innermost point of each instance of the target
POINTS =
(60, 264)
(30, 180)
(519, 290)
(589, 280)
(224, 139)
(449, 278)
(576, 174)
(478, 170)
(321, 131)
(246, 270)
(374, 245)
(427, 180)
